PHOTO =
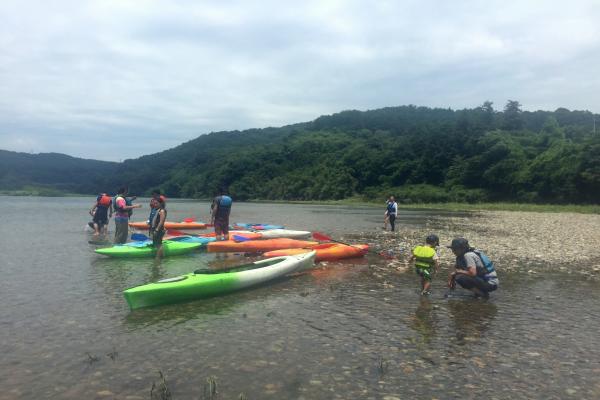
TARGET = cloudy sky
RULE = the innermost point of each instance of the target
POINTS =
(118, 79)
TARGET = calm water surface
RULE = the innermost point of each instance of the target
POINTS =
(345, 330)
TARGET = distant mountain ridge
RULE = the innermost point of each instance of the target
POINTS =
(420, 154)
(54, 170)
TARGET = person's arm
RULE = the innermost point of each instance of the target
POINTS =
(395, 208)
(214, 208)
(93, 209)
(126, 207)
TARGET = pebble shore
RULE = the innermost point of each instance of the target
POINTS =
(528, 242)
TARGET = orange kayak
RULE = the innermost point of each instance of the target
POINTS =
(326, 251)
(257, 246)
(171, 225)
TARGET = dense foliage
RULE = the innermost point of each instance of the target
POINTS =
(417, 153)
(52, 173)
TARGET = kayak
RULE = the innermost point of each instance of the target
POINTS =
(258, 227)
(245, 234)
(192, 239)
(284, 233)
(145, 249)
(256, 246)
(216, 282)
(326, 251)
(171, 225)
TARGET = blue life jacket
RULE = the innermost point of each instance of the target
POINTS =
(224, 205)
(390, 207)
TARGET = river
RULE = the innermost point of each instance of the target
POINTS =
(346, 330)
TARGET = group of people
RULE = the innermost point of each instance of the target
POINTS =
(122, 207)
(472, 269)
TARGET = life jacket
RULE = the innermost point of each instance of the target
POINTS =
(390, 207)
(485, 260)
(424, 256)
(224, 205)
(488, 271)
(103, 200)
(156, 218)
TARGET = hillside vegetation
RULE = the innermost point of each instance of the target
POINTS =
(419, 154)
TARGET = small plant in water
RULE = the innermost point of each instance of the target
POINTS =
(210, 388)
(160, 391)
(382, 367)
(92, 358)
(113, 354)
(242, 397)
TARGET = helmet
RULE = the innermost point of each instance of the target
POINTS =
(432, 239)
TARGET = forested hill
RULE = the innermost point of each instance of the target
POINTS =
(419, 154)
(53, 171)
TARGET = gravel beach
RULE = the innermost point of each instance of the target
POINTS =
(530, 242)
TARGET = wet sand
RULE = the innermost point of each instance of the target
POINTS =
(529, 242)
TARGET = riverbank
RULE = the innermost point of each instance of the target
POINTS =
(529, 242)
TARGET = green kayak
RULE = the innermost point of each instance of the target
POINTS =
(211, 283)
(145, 249)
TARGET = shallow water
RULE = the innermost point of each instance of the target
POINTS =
(354, 329)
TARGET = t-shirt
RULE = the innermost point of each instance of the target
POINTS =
(119, 204)
(469, 260)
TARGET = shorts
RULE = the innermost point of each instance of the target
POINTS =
(470, 282)
(222, 226)
(100, 218)
(157, 237)
(425, 273)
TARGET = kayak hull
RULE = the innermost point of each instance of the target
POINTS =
(207, 284)
(326, 251)
(170, 248)
(171, 225)
(257, 246)
(284, 233)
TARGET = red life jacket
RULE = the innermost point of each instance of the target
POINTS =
(104, 200)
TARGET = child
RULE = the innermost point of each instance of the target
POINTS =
(426, 259)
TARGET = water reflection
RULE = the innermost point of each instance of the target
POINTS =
(471, 318)
(422, 322)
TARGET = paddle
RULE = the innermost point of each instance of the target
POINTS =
(139, 237)
(321, 237)
(324, 238)
(239, 238)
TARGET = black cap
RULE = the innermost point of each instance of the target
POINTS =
(459, 243)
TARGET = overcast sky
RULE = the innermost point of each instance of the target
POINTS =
(118, 79)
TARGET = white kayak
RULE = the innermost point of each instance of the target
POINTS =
(284, 233)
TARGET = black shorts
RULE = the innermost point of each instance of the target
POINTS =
(157, 237)
(100, 218)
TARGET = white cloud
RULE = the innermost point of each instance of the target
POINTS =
(167, 71)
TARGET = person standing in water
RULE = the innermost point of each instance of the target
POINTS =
(153, 204)
(122, 215)
(220, 210)
(390, 213)
(101, 212)
(427, 262)
(157, 225)
(473, 270)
